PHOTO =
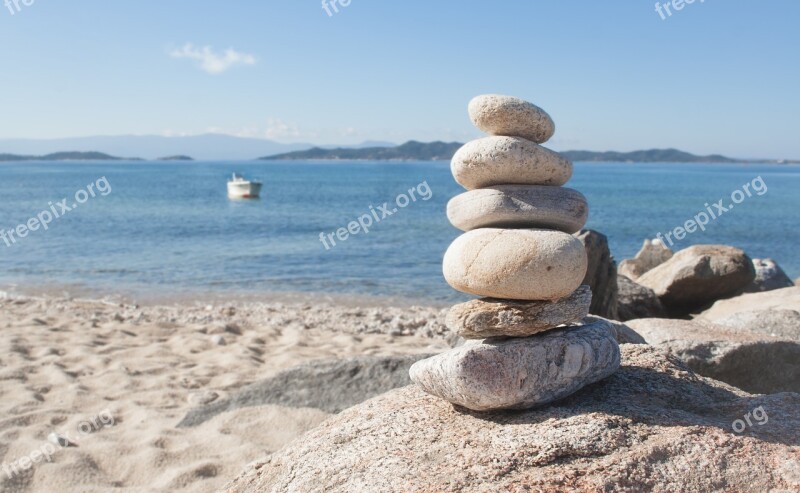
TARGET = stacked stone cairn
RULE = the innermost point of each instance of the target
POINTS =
(526, 345)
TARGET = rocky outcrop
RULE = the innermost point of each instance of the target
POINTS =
(769, 276)
(773, 313)
(652, 426)
(774, 323)
(753, 362)
(636, 301)
(652, 254)
(779, 299)
(601, 275)
(698, 276)
(328, 385)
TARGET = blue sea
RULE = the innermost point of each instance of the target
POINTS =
(168, 229)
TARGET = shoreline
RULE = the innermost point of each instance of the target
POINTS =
(194, 298)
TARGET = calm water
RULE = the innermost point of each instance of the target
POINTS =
(168, 228)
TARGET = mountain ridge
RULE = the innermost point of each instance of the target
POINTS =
(435, 151)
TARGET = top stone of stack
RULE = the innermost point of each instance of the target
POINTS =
(511, 117)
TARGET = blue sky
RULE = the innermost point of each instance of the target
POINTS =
(717, 76)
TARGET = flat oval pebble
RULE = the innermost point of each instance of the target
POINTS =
(512, 117)
(508, 161)
(520, 373)
(491, 317)
(519, 206)
(517, 264)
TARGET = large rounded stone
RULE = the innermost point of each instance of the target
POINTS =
(508, 160)
(490, 317)
(517, 264)
(510, 116)
(698, 276)
(520, 373)
(636, 301)
(652, 254)
(519, 206)
(769, 276)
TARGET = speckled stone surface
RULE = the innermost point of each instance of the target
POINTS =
(520, 373)
(517, 264)
(491, 317)
(652, 426)
(508, 160)
(509, 116)
(519, 206)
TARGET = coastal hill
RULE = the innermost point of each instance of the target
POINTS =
(67, 156)
(205, 147)
(410, 151)
(413, 151)
(648, 156)
(436, 151)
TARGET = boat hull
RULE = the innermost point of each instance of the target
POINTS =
(247, 190)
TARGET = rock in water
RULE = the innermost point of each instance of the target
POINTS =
(601, 274)
(652, 426)
(769, 276)
(491, 317)
(512, 117)
(519, 206)
(652, 254)
(517, 264)
(520, 373)
(636, 301)
(508, 161)
(698, 276)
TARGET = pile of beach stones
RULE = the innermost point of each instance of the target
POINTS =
(526, 345)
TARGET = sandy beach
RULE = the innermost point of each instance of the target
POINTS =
(115, 379)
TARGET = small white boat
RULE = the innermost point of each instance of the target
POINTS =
(239, 188)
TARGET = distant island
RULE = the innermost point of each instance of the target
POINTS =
(66, 156)
(410, 151)
(416, 151)
(443, 151)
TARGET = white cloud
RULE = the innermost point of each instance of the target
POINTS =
(211, 62)
(279, 129)
(274, 129)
